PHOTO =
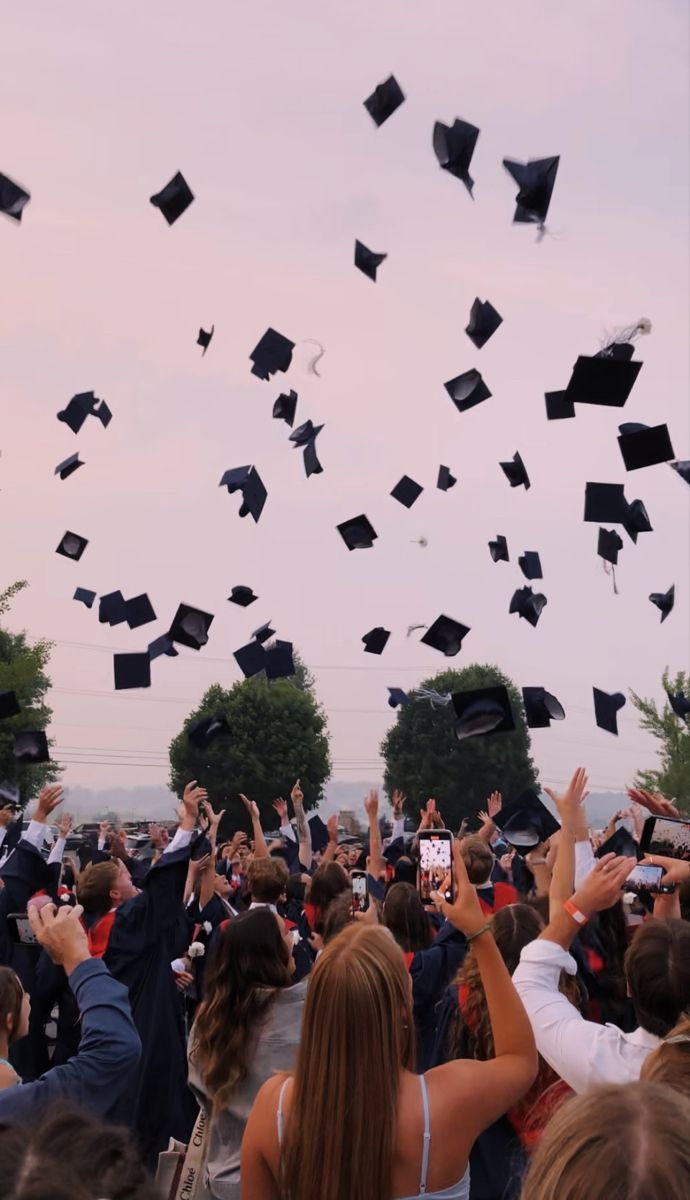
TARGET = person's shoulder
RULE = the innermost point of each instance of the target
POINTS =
(268, 1095)
(8, 1076)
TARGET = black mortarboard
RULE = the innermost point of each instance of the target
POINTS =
(384, 100)
(264, 633)
(305, 433)
(605, 502)
(483, 323)
(312, 466)
(621, 842)
(558, 406)
(72, 546)
(406, 491)
(528, 604)
(375, 640)
(103, 413)
(499, 549)
(251, 659)
(280, 663)
(358, 533)
(242, 595)
(396, 696)
(175, 197)
(10, 793)
(679, 703)
(69, 466)
(31, 746)
(467, 389)
(8, 705)
(636, 519)
(683, 469)
(603, 379)
(632, 427)
(285, 406)
(201, 733)
(445, 635)
(445, 479)
(646, 447)
(395, 850)
(526, 821)
(454, 146)
(75, 413)
(139, 611)
(272, 353)
(162, 646)
(132, 671)
(535, 179)
(608, 545)
(13, 198)
(606, 709)
(84, 596)
(112, 609)
(530, 565)
(247, 481)
(204, 339)
(367, 261)
(515, 472)
(190, 627)
(319, 833)
(664, 601)
(541, 708)
(482, 711)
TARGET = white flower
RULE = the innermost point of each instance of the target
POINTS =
(207, 927)
(644, 325)
(196, 950)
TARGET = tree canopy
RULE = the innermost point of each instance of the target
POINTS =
(672, 776)
(424, 758)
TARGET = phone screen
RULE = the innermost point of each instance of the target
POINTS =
(644, 877)
(360, 898)
(435, 861)
(664, 835)
(24, 933)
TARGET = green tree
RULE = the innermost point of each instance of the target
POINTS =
(424, 758)
(22, 670)
(278, 734)
(672, 776)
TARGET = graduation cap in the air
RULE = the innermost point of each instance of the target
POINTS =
(272, 353)
(208, 729)
(530, 565)
(251, 659)
(644, 447)
(264, 633)
(406, 491)
(72, 546)
(445, 635)
(162, 646)
(605, 502)
(31, 746)
(174, 198)
(285, 406)
(81, 406)
(375, 640)
(69, 466)
(682, 468)
(606, 378)
(541, 708)
(279, 661)
(10, 794)
(8, 705)
(247, 481)
(139, 611)
(396, 696)
(528, 604)
(13, 198)
(622, 843)
(204, 339)
(358, 533)
(319, 833)
(558, 406)
(608, 545)
(445, 479)
(535, 179)
(132, 671)
(384, 100)
(312, 466)
(482, 711)
(367, 261)
(515, 472)
(454, 146)
(606, 708)
(467, 389)
(85, 596)
(112, 609)
(499, 549)
(190, 627)
(636, 519)
(664, 601)
(526, 821)
(242, 595)
(304, 437)
(680, 704)
(483, 323)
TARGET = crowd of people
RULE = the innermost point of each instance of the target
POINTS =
(229, 1019)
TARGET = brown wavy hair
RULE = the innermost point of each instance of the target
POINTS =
(405, 916)
(249, 963)
(670, 1062)
(11, 996)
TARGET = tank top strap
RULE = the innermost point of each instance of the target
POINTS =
(426, 1147)
(279, 1115)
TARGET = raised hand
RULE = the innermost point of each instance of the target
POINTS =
(466, 912)
(332, 827)
(103, 829)
(569, 804)
(214, 818)
(494, 804)
(65, 824)
(371, 804)
(297, 795)
(251, 807)
(189, 809)
(654, 802)
(677, 870)
(637, 813)
(280, 806)
(48, 800)
(398, 801)
(156, 835)
(61, 933)
(602, 887)
(197, 866)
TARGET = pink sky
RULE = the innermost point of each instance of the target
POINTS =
(260, 106)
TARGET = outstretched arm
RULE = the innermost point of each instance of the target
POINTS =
(260, 846)
(306, 852)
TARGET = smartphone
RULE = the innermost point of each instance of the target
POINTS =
(668, 836)
(360, 896)
(647, 878)
(435, 864)
(20, 929)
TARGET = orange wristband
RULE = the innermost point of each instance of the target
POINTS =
(575, 913)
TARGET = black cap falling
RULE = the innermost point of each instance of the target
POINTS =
(645, 447)
(535, 179)
(264, 633)
(174, 198)
(605, 502)
(682, 468)
(190, 627)
(454, 146)
(406, 491)
(112, 609)
(606, 709)
(606, 378)
(273, 352)
(397, 697)
(242, 595)
(467, 389)
(483, 323)
(139, 611)
(515, 472)
(84, 596)
(636, 519)
(31, 746)
(384, 100)
(312, 466)
(445, 635)
(483, 711)
(530, 565)
(204, 339)
(285, 407)
(247, 481)
(13, 198)
(208, 729)
(280, 663)
(358, 533)
(664, 601)
(541, 708)
(609, 545)
(162, 646)
(375, 640)
(558, 406)
(251, 659)
(69, 466)
(680, 704)
(8, 705)
(445, 480)
(367, 261)
(132, 671)
(528, 605)
(526, 821)
(72, 546)
(81, 406)
(499, 549)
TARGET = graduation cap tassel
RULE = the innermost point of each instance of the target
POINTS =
(629, 333)
(611, 570)
(311, 365)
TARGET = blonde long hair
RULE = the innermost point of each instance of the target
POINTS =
(357, 1038)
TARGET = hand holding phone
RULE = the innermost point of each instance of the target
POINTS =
(667, 836)
(647, 878)
(360, 896)
(435, 864)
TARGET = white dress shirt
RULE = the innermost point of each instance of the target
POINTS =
(583, 1053)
